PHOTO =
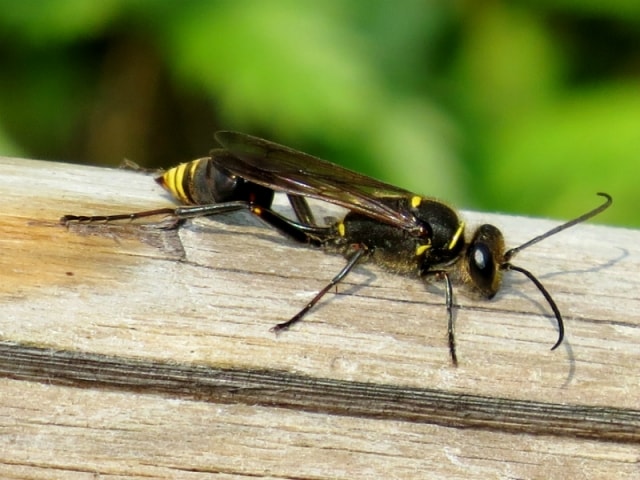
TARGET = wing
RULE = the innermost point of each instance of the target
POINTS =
(287, 170)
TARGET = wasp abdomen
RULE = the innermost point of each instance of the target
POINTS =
(203, 182)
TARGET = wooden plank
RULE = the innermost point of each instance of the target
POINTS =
(162, 313)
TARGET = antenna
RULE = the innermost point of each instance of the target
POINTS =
(505, 265)
(592, 213)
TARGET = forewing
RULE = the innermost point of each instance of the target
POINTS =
(285, 169)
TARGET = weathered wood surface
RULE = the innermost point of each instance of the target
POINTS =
(134, 352)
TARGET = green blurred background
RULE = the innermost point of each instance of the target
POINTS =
(513, 106)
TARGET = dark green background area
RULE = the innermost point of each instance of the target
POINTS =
(515, 106)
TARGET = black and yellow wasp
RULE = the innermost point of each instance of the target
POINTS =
(402, 232)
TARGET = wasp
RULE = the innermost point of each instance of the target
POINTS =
(400, 231)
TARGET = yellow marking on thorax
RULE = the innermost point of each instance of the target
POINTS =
(422, 248)
(456, 236)
(341, 229)
(416, 201)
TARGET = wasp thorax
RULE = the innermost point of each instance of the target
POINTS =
(484, 255)
(442, 225)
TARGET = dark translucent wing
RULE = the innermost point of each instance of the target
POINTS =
(288, 170)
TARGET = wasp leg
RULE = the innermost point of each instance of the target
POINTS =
(448, 298)
(67, 219)
(301, 209)
(298, 231)
(448, 294)
(359, 253)
(179, 213)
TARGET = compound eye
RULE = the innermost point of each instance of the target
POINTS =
(482, 268)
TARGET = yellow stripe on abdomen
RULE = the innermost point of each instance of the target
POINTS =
(174, 181)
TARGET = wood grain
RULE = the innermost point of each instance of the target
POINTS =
(134, 351)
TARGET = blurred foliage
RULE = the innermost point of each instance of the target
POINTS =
(520, 106)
